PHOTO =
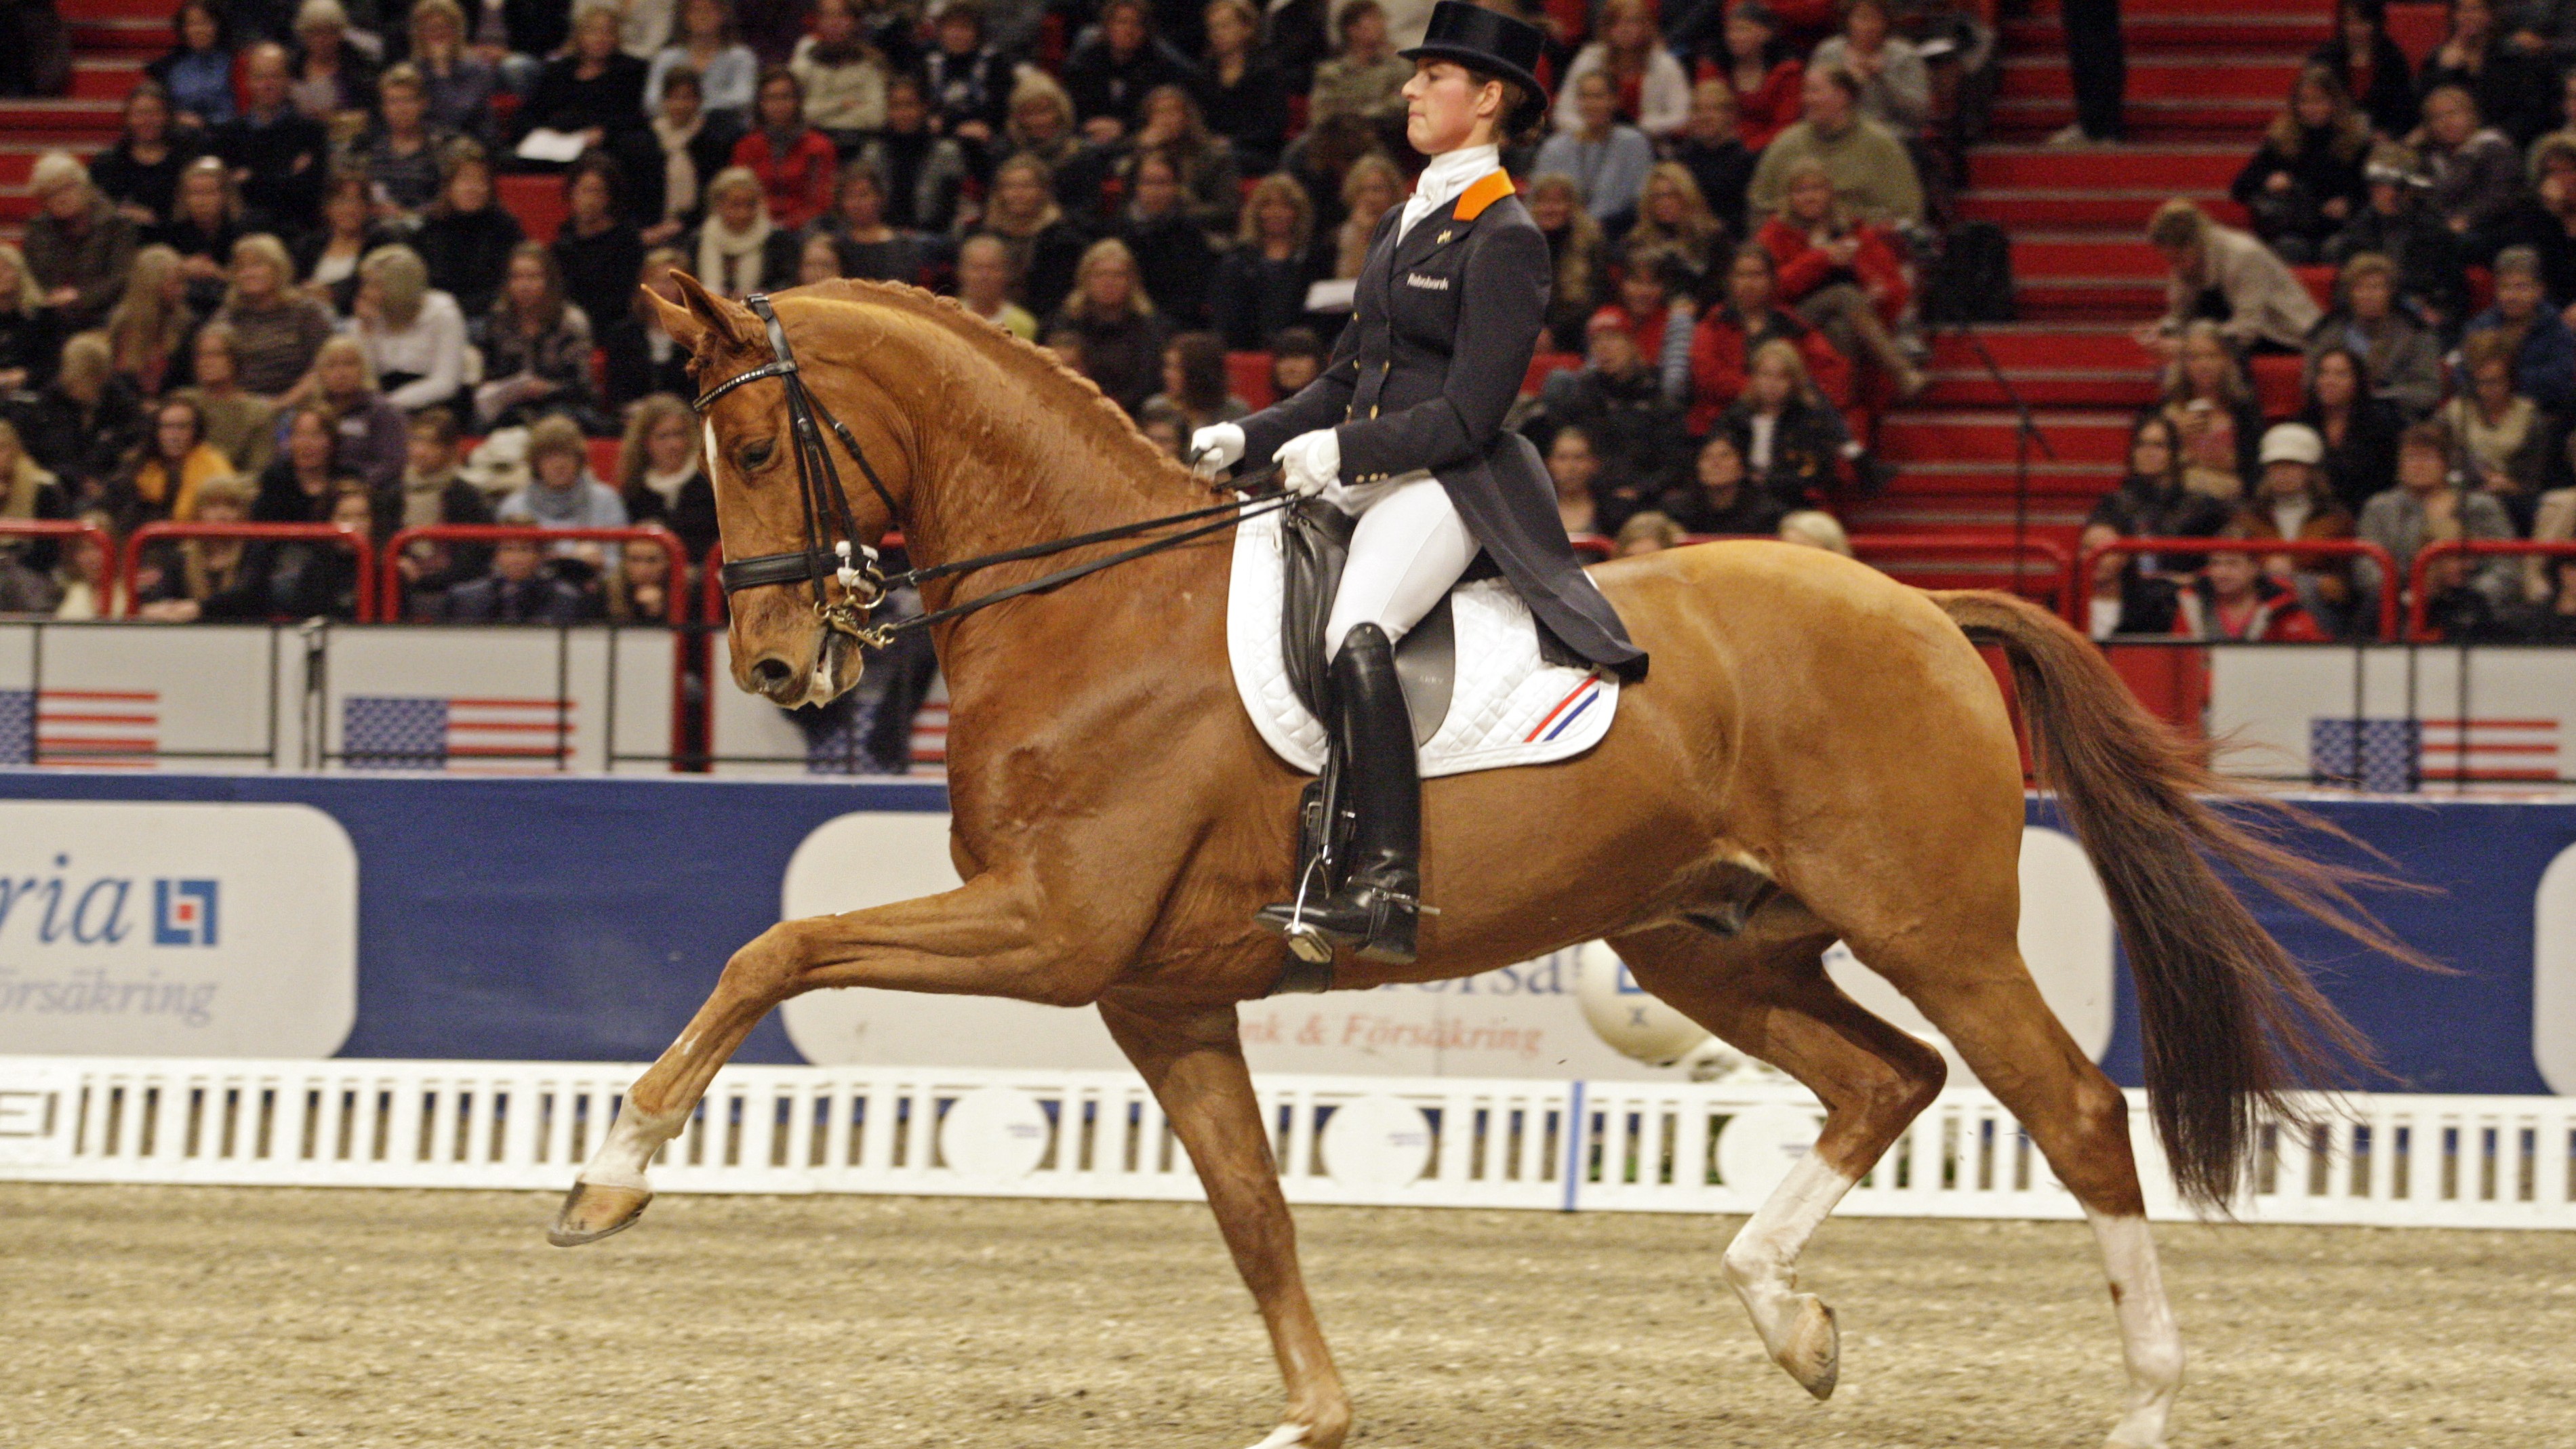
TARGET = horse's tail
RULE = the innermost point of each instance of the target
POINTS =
(2230, 1021)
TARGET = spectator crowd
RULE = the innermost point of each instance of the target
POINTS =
(290, 290)
(2437, 385)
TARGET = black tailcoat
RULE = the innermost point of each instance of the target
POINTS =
(1444, 325)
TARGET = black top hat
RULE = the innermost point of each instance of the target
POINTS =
(1487, 41)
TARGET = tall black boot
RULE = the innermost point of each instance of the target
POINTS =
(1375, 911)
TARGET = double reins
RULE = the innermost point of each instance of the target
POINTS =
(834, 553)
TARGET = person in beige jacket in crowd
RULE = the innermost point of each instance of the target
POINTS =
(2224, 275)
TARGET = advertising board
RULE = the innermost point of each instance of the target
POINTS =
(174, 929)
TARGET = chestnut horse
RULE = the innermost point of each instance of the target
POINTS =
(1821, 753)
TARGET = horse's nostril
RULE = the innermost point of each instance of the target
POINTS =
(770, 672)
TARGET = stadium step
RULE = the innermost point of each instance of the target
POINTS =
(2121, 211)
(2181, 168)
(1986, 436)
(2055, 522)
(105, 78)
(2191, 79)
(81, 121)
(2149, 121)
(2084, 254)
(2021, 345)
(139, 39)
(1953, 485)
(2127, 387)
(2214, 34)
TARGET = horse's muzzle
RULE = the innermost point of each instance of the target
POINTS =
(836, 667)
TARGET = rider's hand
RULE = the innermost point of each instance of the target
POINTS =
(1215, 448)
(1310, 462)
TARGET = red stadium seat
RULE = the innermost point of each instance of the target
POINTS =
(1545, 363)
(1247, 376)
(603, 460)
(2276, 384)
(2320, 282)
(2417, 28)
(537, 201)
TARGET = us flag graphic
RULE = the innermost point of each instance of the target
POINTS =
(483, 735)
(2395, 755)
(80, 728)
(2491, 751)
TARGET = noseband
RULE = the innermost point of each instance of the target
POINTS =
(824, 558)
(843, 559)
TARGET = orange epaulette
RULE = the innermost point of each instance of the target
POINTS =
(1493, 186)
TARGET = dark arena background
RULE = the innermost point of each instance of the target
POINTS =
(375, 797)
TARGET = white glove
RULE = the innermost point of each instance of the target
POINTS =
(1215, 448)
(1309, 463)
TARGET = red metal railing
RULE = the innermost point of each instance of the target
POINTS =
(675, 589)
(87, 532)
(2418, 605)
(2081, 582)
(711, 594)
(346, 537)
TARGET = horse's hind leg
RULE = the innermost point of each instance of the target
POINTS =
(1772, 999)
(1986, 1004)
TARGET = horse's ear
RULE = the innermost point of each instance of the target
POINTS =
(678, 321)
(702, 321)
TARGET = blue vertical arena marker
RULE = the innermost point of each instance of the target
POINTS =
(1574, 1130)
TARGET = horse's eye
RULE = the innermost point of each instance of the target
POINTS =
(756, 453)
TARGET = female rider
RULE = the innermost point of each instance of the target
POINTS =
(1404, 431)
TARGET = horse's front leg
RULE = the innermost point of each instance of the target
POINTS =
(1192, 1057)
(982, 939)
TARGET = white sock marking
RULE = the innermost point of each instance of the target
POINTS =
(1762, 1262)
(629, 1147)
(2149, 1339)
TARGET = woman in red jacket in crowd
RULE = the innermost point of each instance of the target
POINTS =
(794, 161)
(1723, 344)
(1843, 276)
(1765, 75)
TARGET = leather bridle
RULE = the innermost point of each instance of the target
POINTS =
(824, 558)
(833, 552)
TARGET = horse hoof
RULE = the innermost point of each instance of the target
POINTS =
(1811, 1351)
(592, 1212)
(1286, 1436)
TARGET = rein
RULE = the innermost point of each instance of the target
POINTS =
(845, 560)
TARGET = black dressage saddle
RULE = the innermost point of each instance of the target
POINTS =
(1314, 544)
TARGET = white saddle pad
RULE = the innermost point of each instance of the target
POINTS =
(1509, 706)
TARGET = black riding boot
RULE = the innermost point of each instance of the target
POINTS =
(1375, 911)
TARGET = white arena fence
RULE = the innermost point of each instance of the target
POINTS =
(2373, 1159)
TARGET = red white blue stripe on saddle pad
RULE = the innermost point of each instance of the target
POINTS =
(1509, 706)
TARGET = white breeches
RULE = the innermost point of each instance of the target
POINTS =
(1409, 547)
